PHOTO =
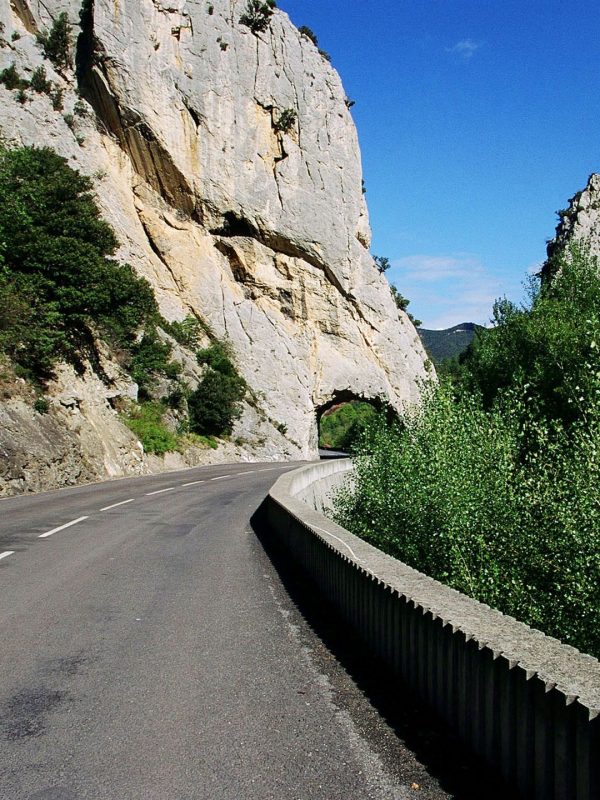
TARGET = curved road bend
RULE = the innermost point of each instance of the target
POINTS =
(149, 652)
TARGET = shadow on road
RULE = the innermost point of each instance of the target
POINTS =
(460, 775)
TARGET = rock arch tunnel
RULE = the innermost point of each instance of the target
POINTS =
(340, 419)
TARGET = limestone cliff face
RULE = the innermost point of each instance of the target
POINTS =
(581, 220)
(257, 227)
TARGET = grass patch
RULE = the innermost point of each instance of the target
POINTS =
(196, 440)
(145, 421)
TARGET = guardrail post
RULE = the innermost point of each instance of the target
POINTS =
(524, 724)
(563, 729)
(543, 771)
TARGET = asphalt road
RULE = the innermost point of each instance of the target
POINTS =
(149, 651)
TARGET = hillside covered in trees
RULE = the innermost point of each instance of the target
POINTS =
(448, 343)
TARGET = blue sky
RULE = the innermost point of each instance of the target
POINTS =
(477, 119)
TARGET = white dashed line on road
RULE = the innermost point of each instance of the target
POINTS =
(192, 483)
(61, 527)
(6, 553)
(116, 505)
(160, 491)
(221, 477)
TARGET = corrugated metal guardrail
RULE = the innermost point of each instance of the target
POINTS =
(529, 705)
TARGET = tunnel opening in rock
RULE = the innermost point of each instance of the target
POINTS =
(342, 419)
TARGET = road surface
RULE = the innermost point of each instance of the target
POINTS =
(149, 651)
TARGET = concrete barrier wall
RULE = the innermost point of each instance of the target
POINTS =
(527, 704)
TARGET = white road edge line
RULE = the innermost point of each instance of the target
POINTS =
(193, 483)
(61, 527)
(115, 505)
(7, 553)
(160, 491)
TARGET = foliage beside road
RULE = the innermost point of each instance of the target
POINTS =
(493, 486)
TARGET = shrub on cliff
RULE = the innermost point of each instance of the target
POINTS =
(151, 357)
(402, 303)
(39, 81)
(215, 405)
(56, 43)
(11, 79)
(219, 358)
(258, 15)
(286, 120)
(304, 30)
(188, 332)
(57, 266)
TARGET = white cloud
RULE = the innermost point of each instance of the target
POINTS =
(447, 290)
(465, 48)
(434, 268)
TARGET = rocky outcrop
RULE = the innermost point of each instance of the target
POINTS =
(580, 221)
(75, 436)
(37, 451)
(228, 164)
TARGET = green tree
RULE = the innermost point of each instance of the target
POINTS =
(56, 43)
(382, 263)
(188, 332)
(219, 358)
(39, 81)
(549, 345)
(493, 485)
(150, 357)
(216, 403)
(57, 254)
(258, 15)
(11, 79)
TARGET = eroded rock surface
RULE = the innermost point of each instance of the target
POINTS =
(258, 228)
(580, 221)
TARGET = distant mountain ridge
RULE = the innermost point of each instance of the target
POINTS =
(450, 342)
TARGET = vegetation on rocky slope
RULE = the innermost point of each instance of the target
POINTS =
(61, 289)
(58, 277)
(493, 487)
(215, 405)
